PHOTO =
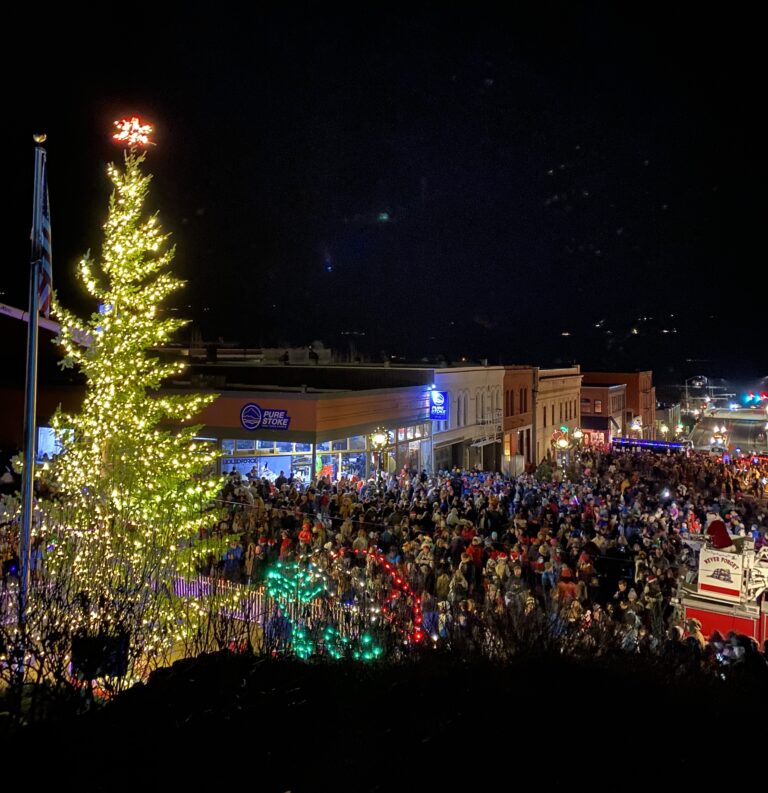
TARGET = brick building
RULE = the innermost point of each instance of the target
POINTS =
(640, 395)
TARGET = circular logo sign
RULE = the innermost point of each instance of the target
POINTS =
(250, 416)
(438, 398)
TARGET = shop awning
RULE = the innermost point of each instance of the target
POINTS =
(486, 441)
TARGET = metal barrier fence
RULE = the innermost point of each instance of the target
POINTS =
(254, 605)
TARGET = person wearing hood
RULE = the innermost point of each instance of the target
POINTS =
(458, 588)
(693, 627)
(443, 583)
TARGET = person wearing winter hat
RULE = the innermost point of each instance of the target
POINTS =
(694, 632)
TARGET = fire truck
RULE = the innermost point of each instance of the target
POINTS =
(727, 590)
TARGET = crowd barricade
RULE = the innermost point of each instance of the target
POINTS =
(255, 606)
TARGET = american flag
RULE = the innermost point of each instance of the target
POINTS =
(45, 281)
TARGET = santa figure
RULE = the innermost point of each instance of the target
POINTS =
(719, 534)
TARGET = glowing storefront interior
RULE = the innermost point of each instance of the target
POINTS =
(349, 456)
(328, 433)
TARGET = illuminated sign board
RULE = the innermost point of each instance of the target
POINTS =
(438, 405)
(253, 417)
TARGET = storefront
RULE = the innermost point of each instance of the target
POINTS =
(342, 457)
(321, 433)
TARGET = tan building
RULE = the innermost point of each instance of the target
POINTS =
(641, 396)
(604, 413)
(669, 416)
(518, 418)
(557, 399)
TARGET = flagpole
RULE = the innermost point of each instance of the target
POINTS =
(30, 400)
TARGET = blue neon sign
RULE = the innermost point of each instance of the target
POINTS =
(438, 405)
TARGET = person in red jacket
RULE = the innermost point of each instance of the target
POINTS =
(475, 551)
(285, 546)
(305, 538)
(468, 532)
(566, 588)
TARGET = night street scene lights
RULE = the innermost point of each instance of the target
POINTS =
(719, 438)
(561, 443)
(379, 439)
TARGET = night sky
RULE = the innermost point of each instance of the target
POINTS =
(408, 184)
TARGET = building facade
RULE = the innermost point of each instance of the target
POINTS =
(518, 451)
(669, 416)
(557, 399)
(471, 437)
(312, 433)
(641, 397)
(603, 412)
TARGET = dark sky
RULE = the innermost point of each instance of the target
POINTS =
(463, 182)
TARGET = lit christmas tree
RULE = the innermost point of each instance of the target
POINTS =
(129, 484)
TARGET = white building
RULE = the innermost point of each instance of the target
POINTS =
(472, 434)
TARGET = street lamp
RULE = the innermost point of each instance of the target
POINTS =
(561, 442)
(664, 430)
(379, 438)
(637, 425)
(701, 382)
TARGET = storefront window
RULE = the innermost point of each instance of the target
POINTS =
(340, 445)
(267, 445)
(353, 464)
(301, 466)
(409, 433)
(328, 465)
(412, 459)
(303, 447)
(245, 446)
(228, 446)
(284, 446)
(401, 434)
(325, 446)
(357, 442)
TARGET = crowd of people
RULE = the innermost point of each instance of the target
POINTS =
(605, 543)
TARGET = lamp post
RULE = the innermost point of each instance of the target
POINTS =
(664, 429)
(379, 438)
(561, 443)
(701, 383)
